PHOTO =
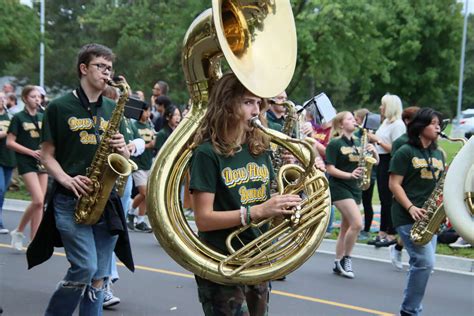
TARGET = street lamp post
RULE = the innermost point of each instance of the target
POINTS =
(461, 68)
(42, 43)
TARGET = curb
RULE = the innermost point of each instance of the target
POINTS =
(362, 251)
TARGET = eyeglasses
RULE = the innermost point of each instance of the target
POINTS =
(103, 68)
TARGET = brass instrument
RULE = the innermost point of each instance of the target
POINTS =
(458, 192)
(243, 35)
(366, 162)
(291, 120)
(122, 180)
(106, 166)
(423, 230)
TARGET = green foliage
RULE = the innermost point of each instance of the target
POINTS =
(354, 50)
(19, 38)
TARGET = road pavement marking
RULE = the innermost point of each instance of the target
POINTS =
(276, 292)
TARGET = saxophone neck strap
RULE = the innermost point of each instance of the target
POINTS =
(84, 100)
(429, 161)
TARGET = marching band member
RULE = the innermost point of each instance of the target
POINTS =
(73, 124)
(342, 159)
(7, 158)
(226, 142)
(414, 170)
(24, 138)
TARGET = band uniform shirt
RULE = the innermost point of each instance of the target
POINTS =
(162, 136)
(128, 130)
(343, 154)
(399, 142)
(238, 180)
(7, 156)
(147, 132)
(389, 132)
(322, 135)
(410, 162)
(70, 128)
(23, 126)
(274, 122)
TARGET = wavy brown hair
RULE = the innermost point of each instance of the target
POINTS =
(222, 118)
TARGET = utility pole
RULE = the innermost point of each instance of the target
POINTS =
(42, 43)
(461, 68)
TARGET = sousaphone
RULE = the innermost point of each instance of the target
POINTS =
(258, 41)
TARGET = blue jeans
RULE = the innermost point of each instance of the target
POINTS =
(89, 250)
(422, 260)
(5, 177)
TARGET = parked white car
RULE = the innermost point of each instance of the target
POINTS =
(466, 124)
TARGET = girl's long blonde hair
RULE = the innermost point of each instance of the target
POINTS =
(337, 122)
(222, 120)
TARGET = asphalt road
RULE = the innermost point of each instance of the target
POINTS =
(161, 287)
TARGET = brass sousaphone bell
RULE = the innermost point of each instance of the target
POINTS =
(258, 41)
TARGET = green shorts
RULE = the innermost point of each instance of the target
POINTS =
(27, 164)
(340, 191)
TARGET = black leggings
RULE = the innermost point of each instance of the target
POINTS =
(367, 203)
(385, 195)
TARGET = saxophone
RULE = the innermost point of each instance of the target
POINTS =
(291, 120)
(366, 162)
(106, 166)
(423, 230)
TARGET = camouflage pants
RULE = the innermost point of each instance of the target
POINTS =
(238, 300)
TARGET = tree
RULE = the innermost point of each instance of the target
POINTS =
(19, 39)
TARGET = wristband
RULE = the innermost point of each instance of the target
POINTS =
(408, 209)
(242, 215)
(249, 220)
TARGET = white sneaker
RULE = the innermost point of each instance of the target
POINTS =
(17, 239)
(3, 230)
(109, 298)
(460, 243)
(396, 257)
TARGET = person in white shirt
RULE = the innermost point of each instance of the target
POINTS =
(392, 127)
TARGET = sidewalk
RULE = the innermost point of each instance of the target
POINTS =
(362, 251)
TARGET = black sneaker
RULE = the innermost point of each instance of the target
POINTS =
(143, 227)
(343, 267)
(373, 241)
(384, 242)
(130, 221)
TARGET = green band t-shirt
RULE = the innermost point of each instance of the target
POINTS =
(399, 142)
(7, 156)
(128, 130)
(162, 136)
(71, 129)
(417, 166)
(146, 131)
(343, 153)
(236, 181)
(27, 129)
